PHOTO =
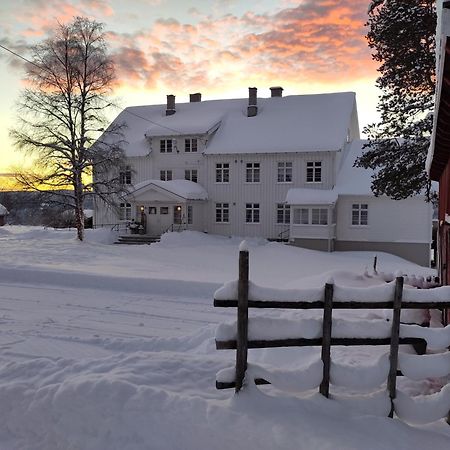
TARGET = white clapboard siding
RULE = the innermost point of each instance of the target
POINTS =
(268, 193)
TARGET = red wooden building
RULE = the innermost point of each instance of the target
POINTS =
(438, 162)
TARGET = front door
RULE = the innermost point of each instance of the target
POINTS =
(159, 219)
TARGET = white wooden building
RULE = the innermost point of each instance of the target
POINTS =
(277, 167)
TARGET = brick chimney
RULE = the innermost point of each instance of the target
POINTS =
(252, 109)
(276, 91)
(170, 110)
(197, 97)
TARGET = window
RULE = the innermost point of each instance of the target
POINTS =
(360, 214)
(152, 209)
(177, 215)
(190, 145)
(190, 214)
(284, 172)
(314, 172)
(191, 175)
(301, 216)
(252, 174)
(125, 211)
(283, 213)
(319, 216)
(311, 216)
(165, 175)
(166, 145)
(164, 210)
(222, 173)
(252, 212)
(125, 175)
(222, 212)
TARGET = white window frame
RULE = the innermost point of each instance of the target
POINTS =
(319, 216)
(360, 214)
(190, 214)
(164, 146)
(252, 213)
(284, 172)
(283, 213)
(253, 172)
(191, 145)
(222, 213)
(222, 173)
(165, 175)
(125, 175)
(315, 216)
(125, 211)
(314, 171)
(191, 175)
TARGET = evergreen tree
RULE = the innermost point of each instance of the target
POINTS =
(402, 35)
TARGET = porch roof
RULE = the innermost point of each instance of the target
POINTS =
(174, 189)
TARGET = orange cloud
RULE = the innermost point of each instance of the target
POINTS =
(317, 40)
(311, 42)
(40, 16)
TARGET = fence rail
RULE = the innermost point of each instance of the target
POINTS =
(242, 342)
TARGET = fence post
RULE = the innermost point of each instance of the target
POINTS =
(395, 337)
(324, 388)
(242, 320)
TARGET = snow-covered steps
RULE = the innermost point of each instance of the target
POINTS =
(138, 239)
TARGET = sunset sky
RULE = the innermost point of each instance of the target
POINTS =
(216, 47)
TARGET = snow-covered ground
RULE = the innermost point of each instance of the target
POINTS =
(109, 347)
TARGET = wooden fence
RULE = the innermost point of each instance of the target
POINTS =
(242, 343)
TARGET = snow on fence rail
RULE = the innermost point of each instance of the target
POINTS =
(263, 332)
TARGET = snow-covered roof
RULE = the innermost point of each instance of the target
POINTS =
(353, 180)
(183, 188)
(296, 123)
(303, 196)
(3, 210)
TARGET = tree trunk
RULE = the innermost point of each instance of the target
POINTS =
(79, 212)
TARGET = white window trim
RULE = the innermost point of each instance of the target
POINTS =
(222, 171)
(190, 173)
(284, 172)
(222, 209)
(174, 147)
(125, 209)
(314, 172)
(359, 225)
(310, 224)
(252, 168)
(190, 145)
(284, 214)
(253, 209)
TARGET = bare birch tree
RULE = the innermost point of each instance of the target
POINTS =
(62, 117)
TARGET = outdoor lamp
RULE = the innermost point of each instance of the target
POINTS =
(142, 208)
(178, 208)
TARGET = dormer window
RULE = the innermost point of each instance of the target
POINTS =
(125, 175)
(190, 145)
(166, 145)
